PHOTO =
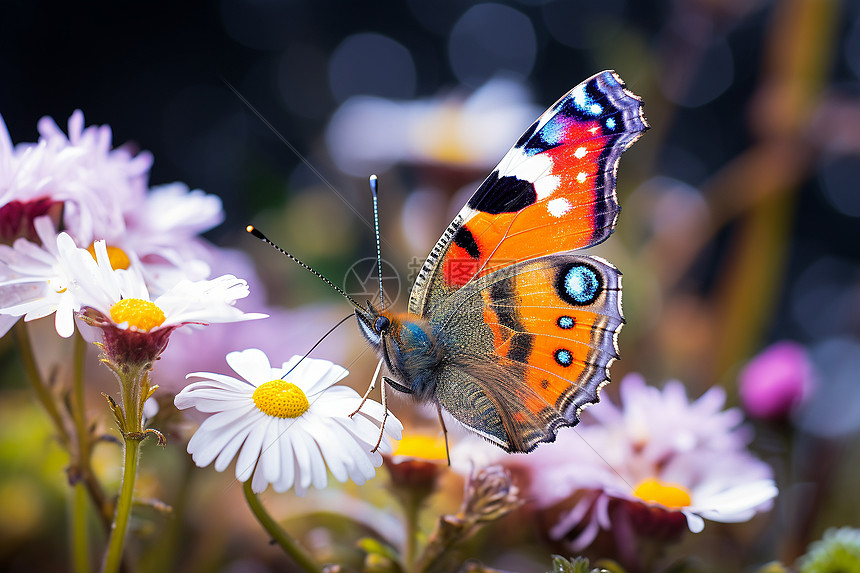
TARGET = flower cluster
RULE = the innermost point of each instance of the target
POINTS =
(657, 459)
(129, 258)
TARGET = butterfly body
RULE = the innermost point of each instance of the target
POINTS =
(509, 329)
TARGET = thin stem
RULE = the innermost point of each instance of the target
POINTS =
(31, 369)
(113, 557)
(78, 402)
(411, 510)
(80, 540)
(283, 539)
(81, 460)
(131, 379)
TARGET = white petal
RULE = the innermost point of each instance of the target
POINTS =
(303, 460)
(228, 418)
(250, 452)
(259, 483)
(251, 364)
(330, 447)
(320, 375)
(229, 451)
(64, 319)
(205, 446)
(694, 522)
(270, 455)
(288, 466)
(314, 472)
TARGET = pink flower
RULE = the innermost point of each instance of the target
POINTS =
(81, 170)
(658, 459)
(776, 381)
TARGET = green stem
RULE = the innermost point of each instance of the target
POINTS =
(283, 539)
(411, 510)
(81, 460)
(80, 541)
(131, 379)
(113, 557)
(32, 370)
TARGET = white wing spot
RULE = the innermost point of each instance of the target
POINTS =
(580, 152)
(581, 176)
(546, 186)
(533, 169)
(558, 207)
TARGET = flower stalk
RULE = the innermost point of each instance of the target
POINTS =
(32, 371)
(135, 389)
(287, 543)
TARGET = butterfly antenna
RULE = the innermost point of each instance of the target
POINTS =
(317, 343)
(375, 192)
(257, 233)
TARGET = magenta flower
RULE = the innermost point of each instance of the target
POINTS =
(776, 381)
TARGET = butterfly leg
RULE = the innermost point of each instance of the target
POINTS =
(384, 414)
(444, 432)
(370, 389)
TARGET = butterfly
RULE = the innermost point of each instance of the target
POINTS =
(509, 329)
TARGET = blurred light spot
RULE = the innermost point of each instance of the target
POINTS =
(439, 15)
(713, 74)
(303, 82)
(373, 65)
(22, 506)
(839, 182)
(852, 48)
(367, 134)
(491, 38)
(580, 24)
(825, 296)
(675, 208)
(422, 216)
(260, 24)
(834, 408)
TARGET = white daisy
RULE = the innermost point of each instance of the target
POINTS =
(135, 326)
(40, 280)
(289, 423)
(686, 461)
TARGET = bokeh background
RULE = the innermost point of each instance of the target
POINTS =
(740, 206)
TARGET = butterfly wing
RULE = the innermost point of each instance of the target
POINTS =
(528, 346)
(554, 191)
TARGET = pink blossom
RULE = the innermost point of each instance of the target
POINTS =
(776, 381)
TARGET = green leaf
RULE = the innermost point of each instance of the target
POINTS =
(380, 558)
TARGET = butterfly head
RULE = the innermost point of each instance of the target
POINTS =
(374, 324)
(407, 344)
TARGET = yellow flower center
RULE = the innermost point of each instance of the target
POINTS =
(669, 495)
(118, 258)
(422, 447)
(141, 314)
(281, 399)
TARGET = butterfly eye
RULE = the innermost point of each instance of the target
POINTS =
(382, 323)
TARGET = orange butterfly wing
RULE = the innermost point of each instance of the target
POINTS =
(535, 340)
(554, 191)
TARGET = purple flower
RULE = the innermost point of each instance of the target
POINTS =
(659, 459)
(776, 381)
(93, 181)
